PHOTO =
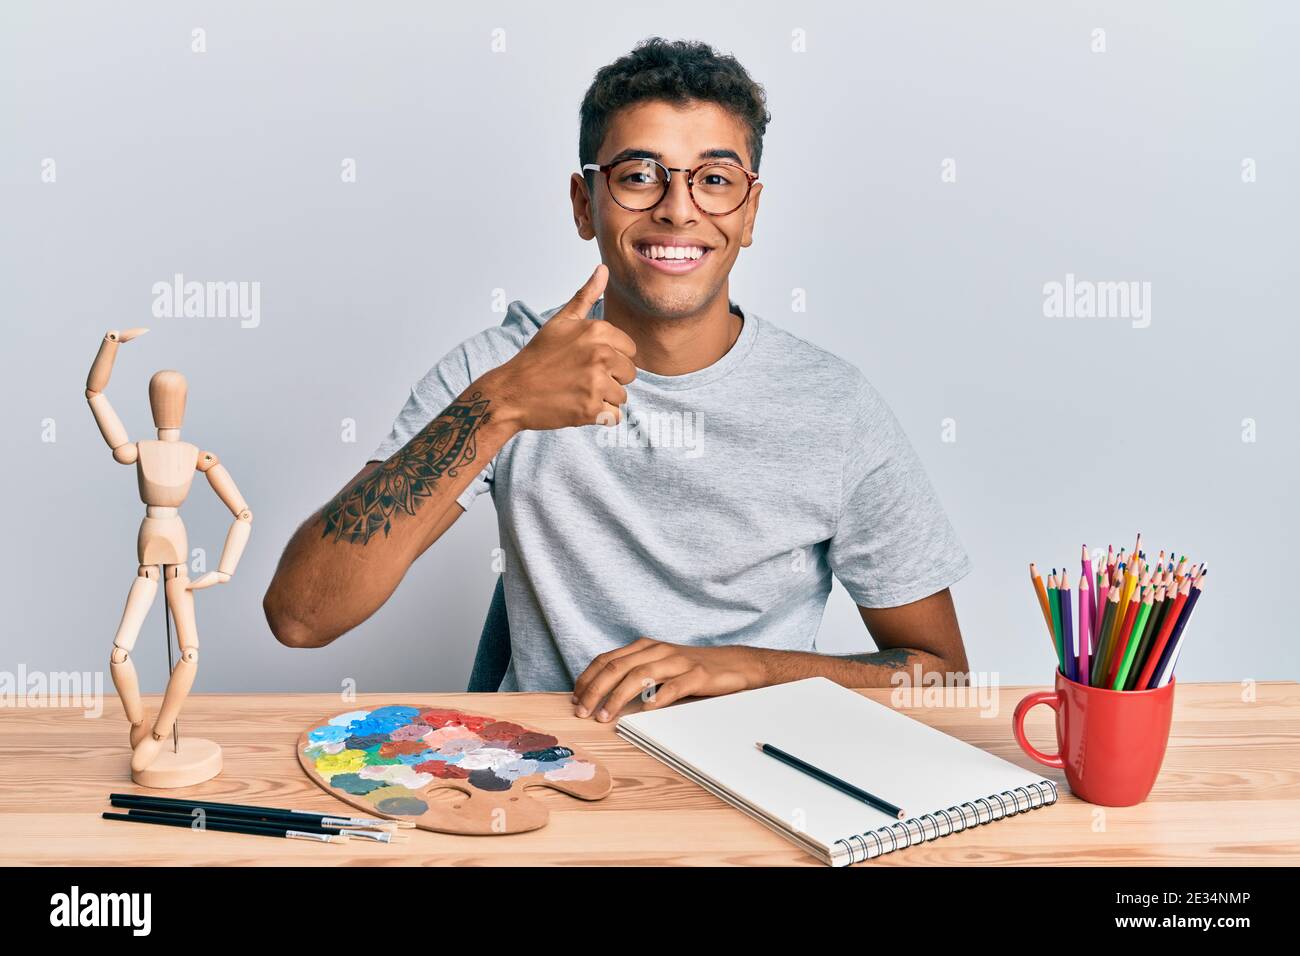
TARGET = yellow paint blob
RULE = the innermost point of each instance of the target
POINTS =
(345, 761)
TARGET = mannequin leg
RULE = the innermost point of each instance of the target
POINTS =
(181, 601)
(138, 601)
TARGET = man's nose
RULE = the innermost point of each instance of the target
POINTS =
(676, 204)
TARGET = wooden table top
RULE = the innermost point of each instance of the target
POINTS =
(1228, 794)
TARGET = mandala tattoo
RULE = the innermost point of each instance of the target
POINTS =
(443, 447)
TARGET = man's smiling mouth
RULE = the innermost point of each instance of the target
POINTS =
(651, 251)
(673, 259)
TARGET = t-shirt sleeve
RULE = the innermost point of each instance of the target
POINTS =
(429, 396)
(893, 544)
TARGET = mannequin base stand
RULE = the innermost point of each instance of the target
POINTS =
(196, 760)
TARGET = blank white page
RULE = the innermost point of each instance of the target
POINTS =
(868, 744)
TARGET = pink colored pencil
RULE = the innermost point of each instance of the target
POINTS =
(1085, 628)
(1087, 576)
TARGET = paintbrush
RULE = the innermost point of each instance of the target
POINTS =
(198, 823)
(253, 812)
(226, 826)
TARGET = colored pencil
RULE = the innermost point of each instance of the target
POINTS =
(1098, 658)
(1132, 614)
(1112, 622)
(1165, 669)
(1041, 592)
(1135, 639)
(1086, 610)
(1129, 596)
(1147, 636)
(1122, 570)
(1054, 602)
(1099, 619)
(1167, 623)
(1087, 573)
(1120, 646)
(1067, 630)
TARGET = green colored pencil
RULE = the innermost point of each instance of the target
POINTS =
(1138, 626)
(1054, 602)
(1108, 615)
(1148, 635)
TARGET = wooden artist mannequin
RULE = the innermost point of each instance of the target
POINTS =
(165, 468)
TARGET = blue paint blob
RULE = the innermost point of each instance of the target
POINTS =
(421, 757)
(377, 723)
(342, 720)
(366, 741)
(549, 754)
(327, 734)
(396, 710)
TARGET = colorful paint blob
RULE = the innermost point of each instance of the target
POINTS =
(353, 783)
(397, 801)
(345, 761)
(327, 734)
(573, 770)
(389, 754)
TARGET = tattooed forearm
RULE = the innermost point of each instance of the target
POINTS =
(399, 485)
(876, 669)
(896, 657)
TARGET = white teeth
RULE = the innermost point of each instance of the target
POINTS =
(671, 252)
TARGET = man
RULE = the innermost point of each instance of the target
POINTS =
(676, 479)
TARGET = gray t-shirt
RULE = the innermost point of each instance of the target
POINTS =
(715, 513)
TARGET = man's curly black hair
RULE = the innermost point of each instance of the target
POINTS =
(676, 71)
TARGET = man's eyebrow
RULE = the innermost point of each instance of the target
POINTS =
(635, 153)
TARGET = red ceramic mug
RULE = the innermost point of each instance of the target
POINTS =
(1110, 742)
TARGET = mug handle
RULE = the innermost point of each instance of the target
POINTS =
(1051, 699)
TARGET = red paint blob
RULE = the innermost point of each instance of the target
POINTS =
(395, 748)
(440, 768)
(533, 741)
(436, 717)
(501, 730)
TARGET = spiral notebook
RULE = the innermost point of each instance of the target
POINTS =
(944, 784)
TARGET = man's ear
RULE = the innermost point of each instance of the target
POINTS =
(751, 212)
(582, 208)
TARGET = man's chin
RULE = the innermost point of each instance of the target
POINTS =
(665, 302)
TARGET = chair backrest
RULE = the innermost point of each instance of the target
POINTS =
(493, 655)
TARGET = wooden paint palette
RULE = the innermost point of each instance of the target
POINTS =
(386, 761)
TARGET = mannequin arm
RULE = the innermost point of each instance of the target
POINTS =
(240, 528)
(110, 426)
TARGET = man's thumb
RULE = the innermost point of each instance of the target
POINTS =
(582, 302)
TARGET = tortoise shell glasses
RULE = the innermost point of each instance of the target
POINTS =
(638, 184)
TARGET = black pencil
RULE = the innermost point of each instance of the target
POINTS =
(884, 806)
(227, 826)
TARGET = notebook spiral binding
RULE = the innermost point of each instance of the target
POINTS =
(897, 836)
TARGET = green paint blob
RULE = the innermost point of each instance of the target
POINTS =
(355, 783)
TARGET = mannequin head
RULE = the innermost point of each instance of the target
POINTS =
(167, 391)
